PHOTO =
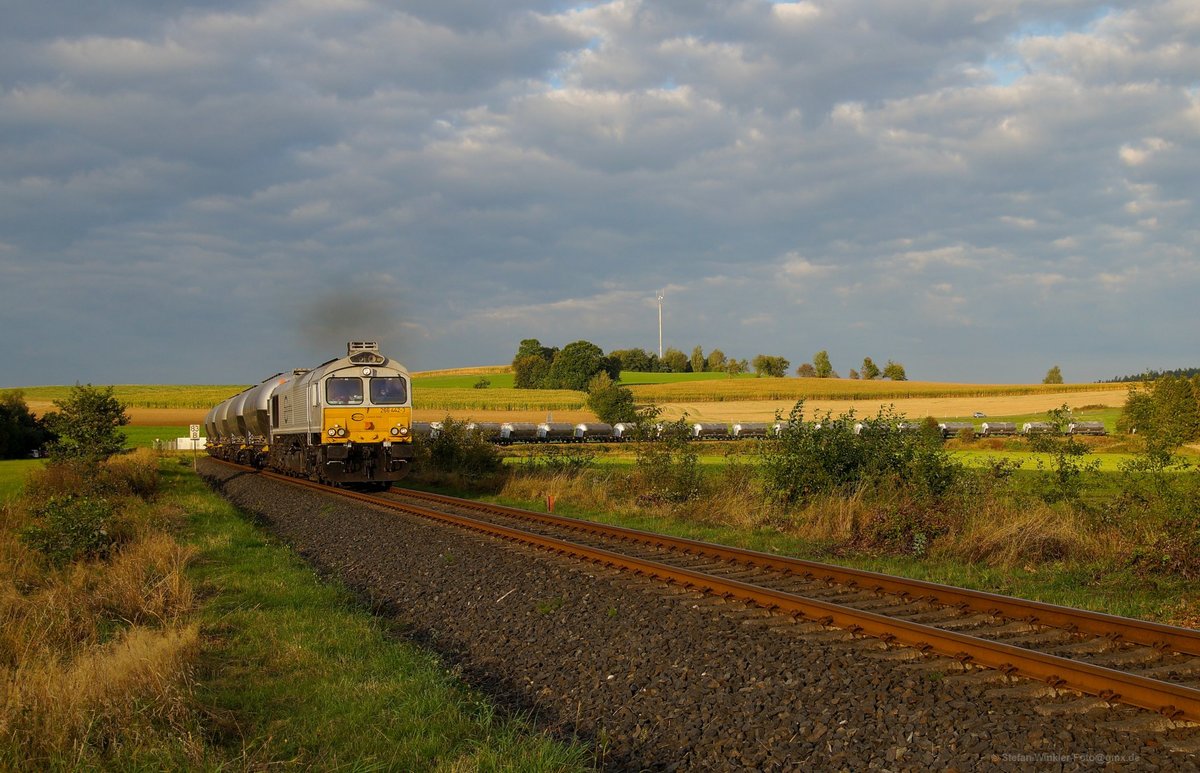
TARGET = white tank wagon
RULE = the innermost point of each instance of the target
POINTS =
(518, 432)
(1038, 428)
(750, 429)
(624, 430)
(955, 428)
(488, 430)
(707, 430)
(555, 431)
(348, 421)
(998, 429)
(423, 430)
(1086, 428)
(594, 431)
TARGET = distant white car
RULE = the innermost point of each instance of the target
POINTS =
(979, 415)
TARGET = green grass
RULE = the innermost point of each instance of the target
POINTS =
(294, 673)
(12, 475)
(144, 437)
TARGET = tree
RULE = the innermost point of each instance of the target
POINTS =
(609, 401)
(532, 346)
(894, 371)
(806, 370)
(768, 365)
(638, 360)
(854, 374)
(86, 425)
(736, 367)
(20, 431)
(575, 365)
(697, 361)
(676, 361)
(529, 372)
(870, 371)
(715, 361)
(821, 364)
(1166, 413)
(1053, 376)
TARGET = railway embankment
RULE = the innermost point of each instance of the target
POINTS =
(658, 677)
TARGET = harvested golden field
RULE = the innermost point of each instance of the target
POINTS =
(938, 407)
(482, 370)
(145, 395)
(792, 389)
(498, 399)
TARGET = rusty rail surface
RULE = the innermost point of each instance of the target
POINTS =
(1174, 701)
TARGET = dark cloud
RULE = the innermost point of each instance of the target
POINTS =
(213, 192)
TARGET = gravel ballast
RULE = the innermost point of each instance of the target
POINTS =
(660, 679)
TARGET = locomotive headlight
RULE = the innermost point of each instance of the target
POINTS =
(367, 371)
(341, 432)
(332, 432)
(395, 431)
(404, 430)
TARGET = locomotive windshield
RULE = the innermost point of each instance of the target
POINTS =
(344, 391)
(392, 390)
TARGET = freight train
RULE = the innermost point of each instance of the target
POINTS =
(508, 433)
(346, 422)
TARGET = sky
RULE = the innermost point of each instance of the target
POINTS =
(212, 192)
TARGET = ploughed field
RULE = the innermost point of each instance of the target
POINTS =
(660, 677)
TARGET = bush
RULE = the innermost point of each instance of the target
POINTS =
(667, 466)
(829, 457)
(610, 401)
(67, 528)
(568, 460)
(456, 451)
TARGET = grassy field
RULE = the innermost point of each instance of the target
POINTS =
(12, 475)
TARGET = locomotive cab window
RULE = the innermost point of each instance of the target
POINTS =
(344, 391)
(392, 390)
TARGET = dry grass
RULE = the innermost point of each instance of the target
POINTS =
(499, 399)
(115, 695)
(482, 370)
(1000, 533)
(94, 655)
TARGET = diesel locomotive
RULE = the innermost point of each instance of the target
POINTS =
(345, 422)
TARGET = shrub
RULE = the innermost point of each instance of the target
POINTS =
(829, 457)
(66, 528)
(610, 401)
(457, 451)
(568, 460)
(666, 466)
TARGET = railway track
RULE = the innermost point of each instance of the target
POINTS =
(1115, 659)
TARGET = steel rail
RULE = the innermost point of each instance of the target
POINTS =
(1114, 627)
(1174, 701)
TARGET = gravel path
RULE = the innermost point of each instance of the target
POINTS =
(659, 679)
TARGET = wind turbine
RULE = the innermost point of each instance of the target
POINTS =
(660, 295)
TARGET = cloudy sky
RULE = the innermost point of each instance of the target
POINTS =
(215, 191)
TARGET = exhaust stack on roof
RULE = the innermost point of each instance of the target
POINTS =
(361, 346)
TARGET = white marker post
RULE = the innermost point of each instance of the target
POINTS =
(194, 434)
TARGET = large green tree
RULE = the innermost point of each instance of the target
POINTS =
(870, 371)
(577, 363)
(697, 360)
(770, 365)
(86, 425)
(676, 361)
(638, 360)
(1053, 376)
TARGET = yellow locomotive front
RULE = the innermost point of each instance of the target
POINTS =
(348, 421)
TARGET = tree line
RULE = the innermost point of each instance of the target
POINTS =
(544, 367)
